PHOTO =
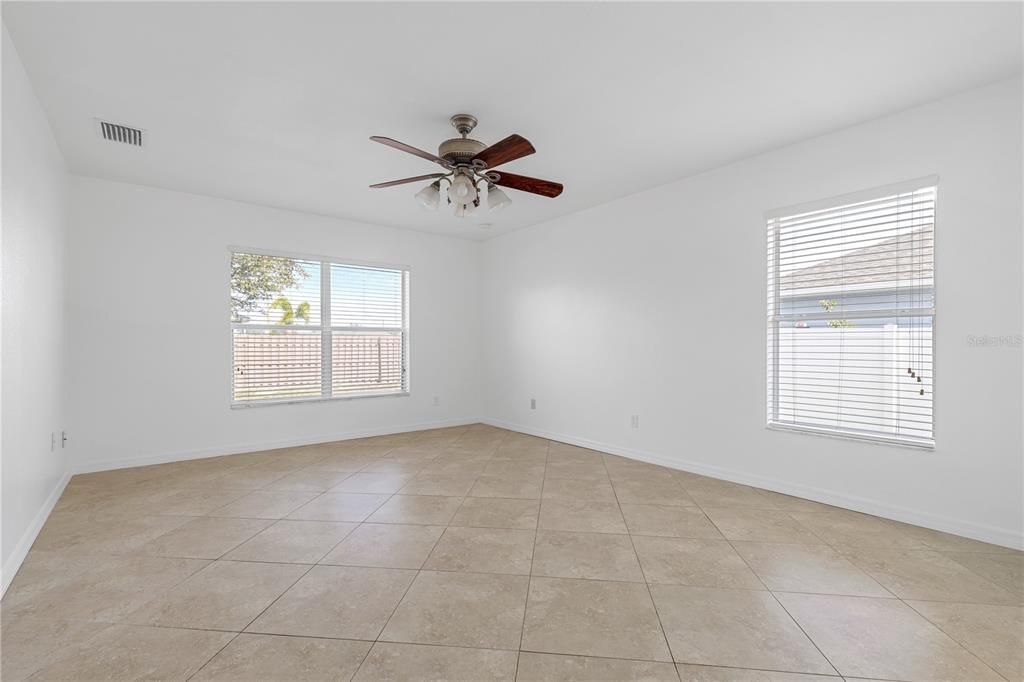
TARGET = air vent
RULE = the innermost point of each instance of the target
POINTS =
(115, 132)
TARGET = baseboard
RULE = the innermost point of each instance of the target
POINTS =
(13, 563)
(239, 448)
(975, 531)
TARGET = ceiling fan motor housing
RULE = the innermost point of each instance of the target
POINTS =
(460, 150)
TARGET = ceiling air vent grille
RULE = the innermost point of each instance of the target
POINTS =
(119, 133)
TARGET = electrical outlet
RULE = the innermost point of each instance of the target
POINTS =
(634, 421)
(437, 400)
(533, 403)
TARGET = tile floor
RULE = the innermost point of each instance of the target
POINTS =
(475, 553)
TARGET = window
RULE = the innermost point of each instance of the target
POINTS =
(314, 329)
(851, 310)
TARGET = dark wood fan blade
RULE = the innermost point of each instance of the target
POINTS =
(410, 149)
(403, 181)
(511, 148)
(545, 188)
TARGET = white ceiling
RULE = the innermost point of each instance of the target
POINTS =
(273, 103)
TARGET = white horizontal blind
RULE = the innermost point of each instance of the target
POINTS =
(368, 329)
(306, 329)
(851, 307)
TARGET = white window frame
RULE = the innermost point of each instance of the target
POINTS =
(772, 368)
(326, 330)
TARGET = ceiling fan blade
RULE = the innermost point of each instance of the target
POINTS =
(410, 149)
(403, 181)
(544, 188)
(511, 148)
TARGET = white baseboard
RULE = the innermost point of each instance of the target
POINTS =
(13, 563)
(975, 531)
(236, 449)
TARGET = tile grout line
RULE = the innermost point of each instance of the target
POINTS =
(777, 600)
(398, 603)
(647, 585)
(248, 468)
(533, 555)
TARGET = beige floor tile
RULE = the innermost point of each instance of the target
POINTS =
(493, 512)
(595, 556)
(350, 507)
(264, 504)
(522, 487)
(269, 657)
(665, 491)
(789, 503)
(424, 663)
(576, 489)
(44, 570)
(344, 463)
(807, 568)
(308, 480)
(461, 609)
(582, 516)
(727, 495)
(107, 590)
(195, 502)
(447, 485)
(126, 652)
(76, 533)
(297, 542)
(454, 468)
(852, 529)
(690, 561)
(759, 525)
(226, 595)
(205, 537)
(28, 644)
(1005, 570)
(483, 550)
(345, 602)
(428, 510)
(372, 482)
(882, 638)
(734, 628)
(251, 477)
(679, 522)
(515, 468)
(386, 546)
(995, 634)
(706, 673)
(386, 465)
(947, 542)
(927, 575)
(555, 667)
(593, 470)
(593, 618)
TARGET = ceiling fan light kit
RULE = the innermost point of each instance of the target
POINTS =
(470, 165)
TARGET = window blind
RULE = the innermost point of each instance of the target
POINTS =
(851, 310)
(308, 329)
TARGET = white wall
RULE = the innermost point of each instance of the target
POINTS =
(34, 191)
(150, 343)
(655, 305)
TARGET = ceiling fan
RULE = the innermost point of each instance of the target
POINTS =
(469, 165)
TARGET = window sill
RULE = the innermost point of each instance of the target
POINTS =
(300, 401)
(848, 435)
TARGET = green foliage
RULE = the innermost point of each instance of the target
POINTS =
(256, 278)
(828, 305)
(288, 313)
